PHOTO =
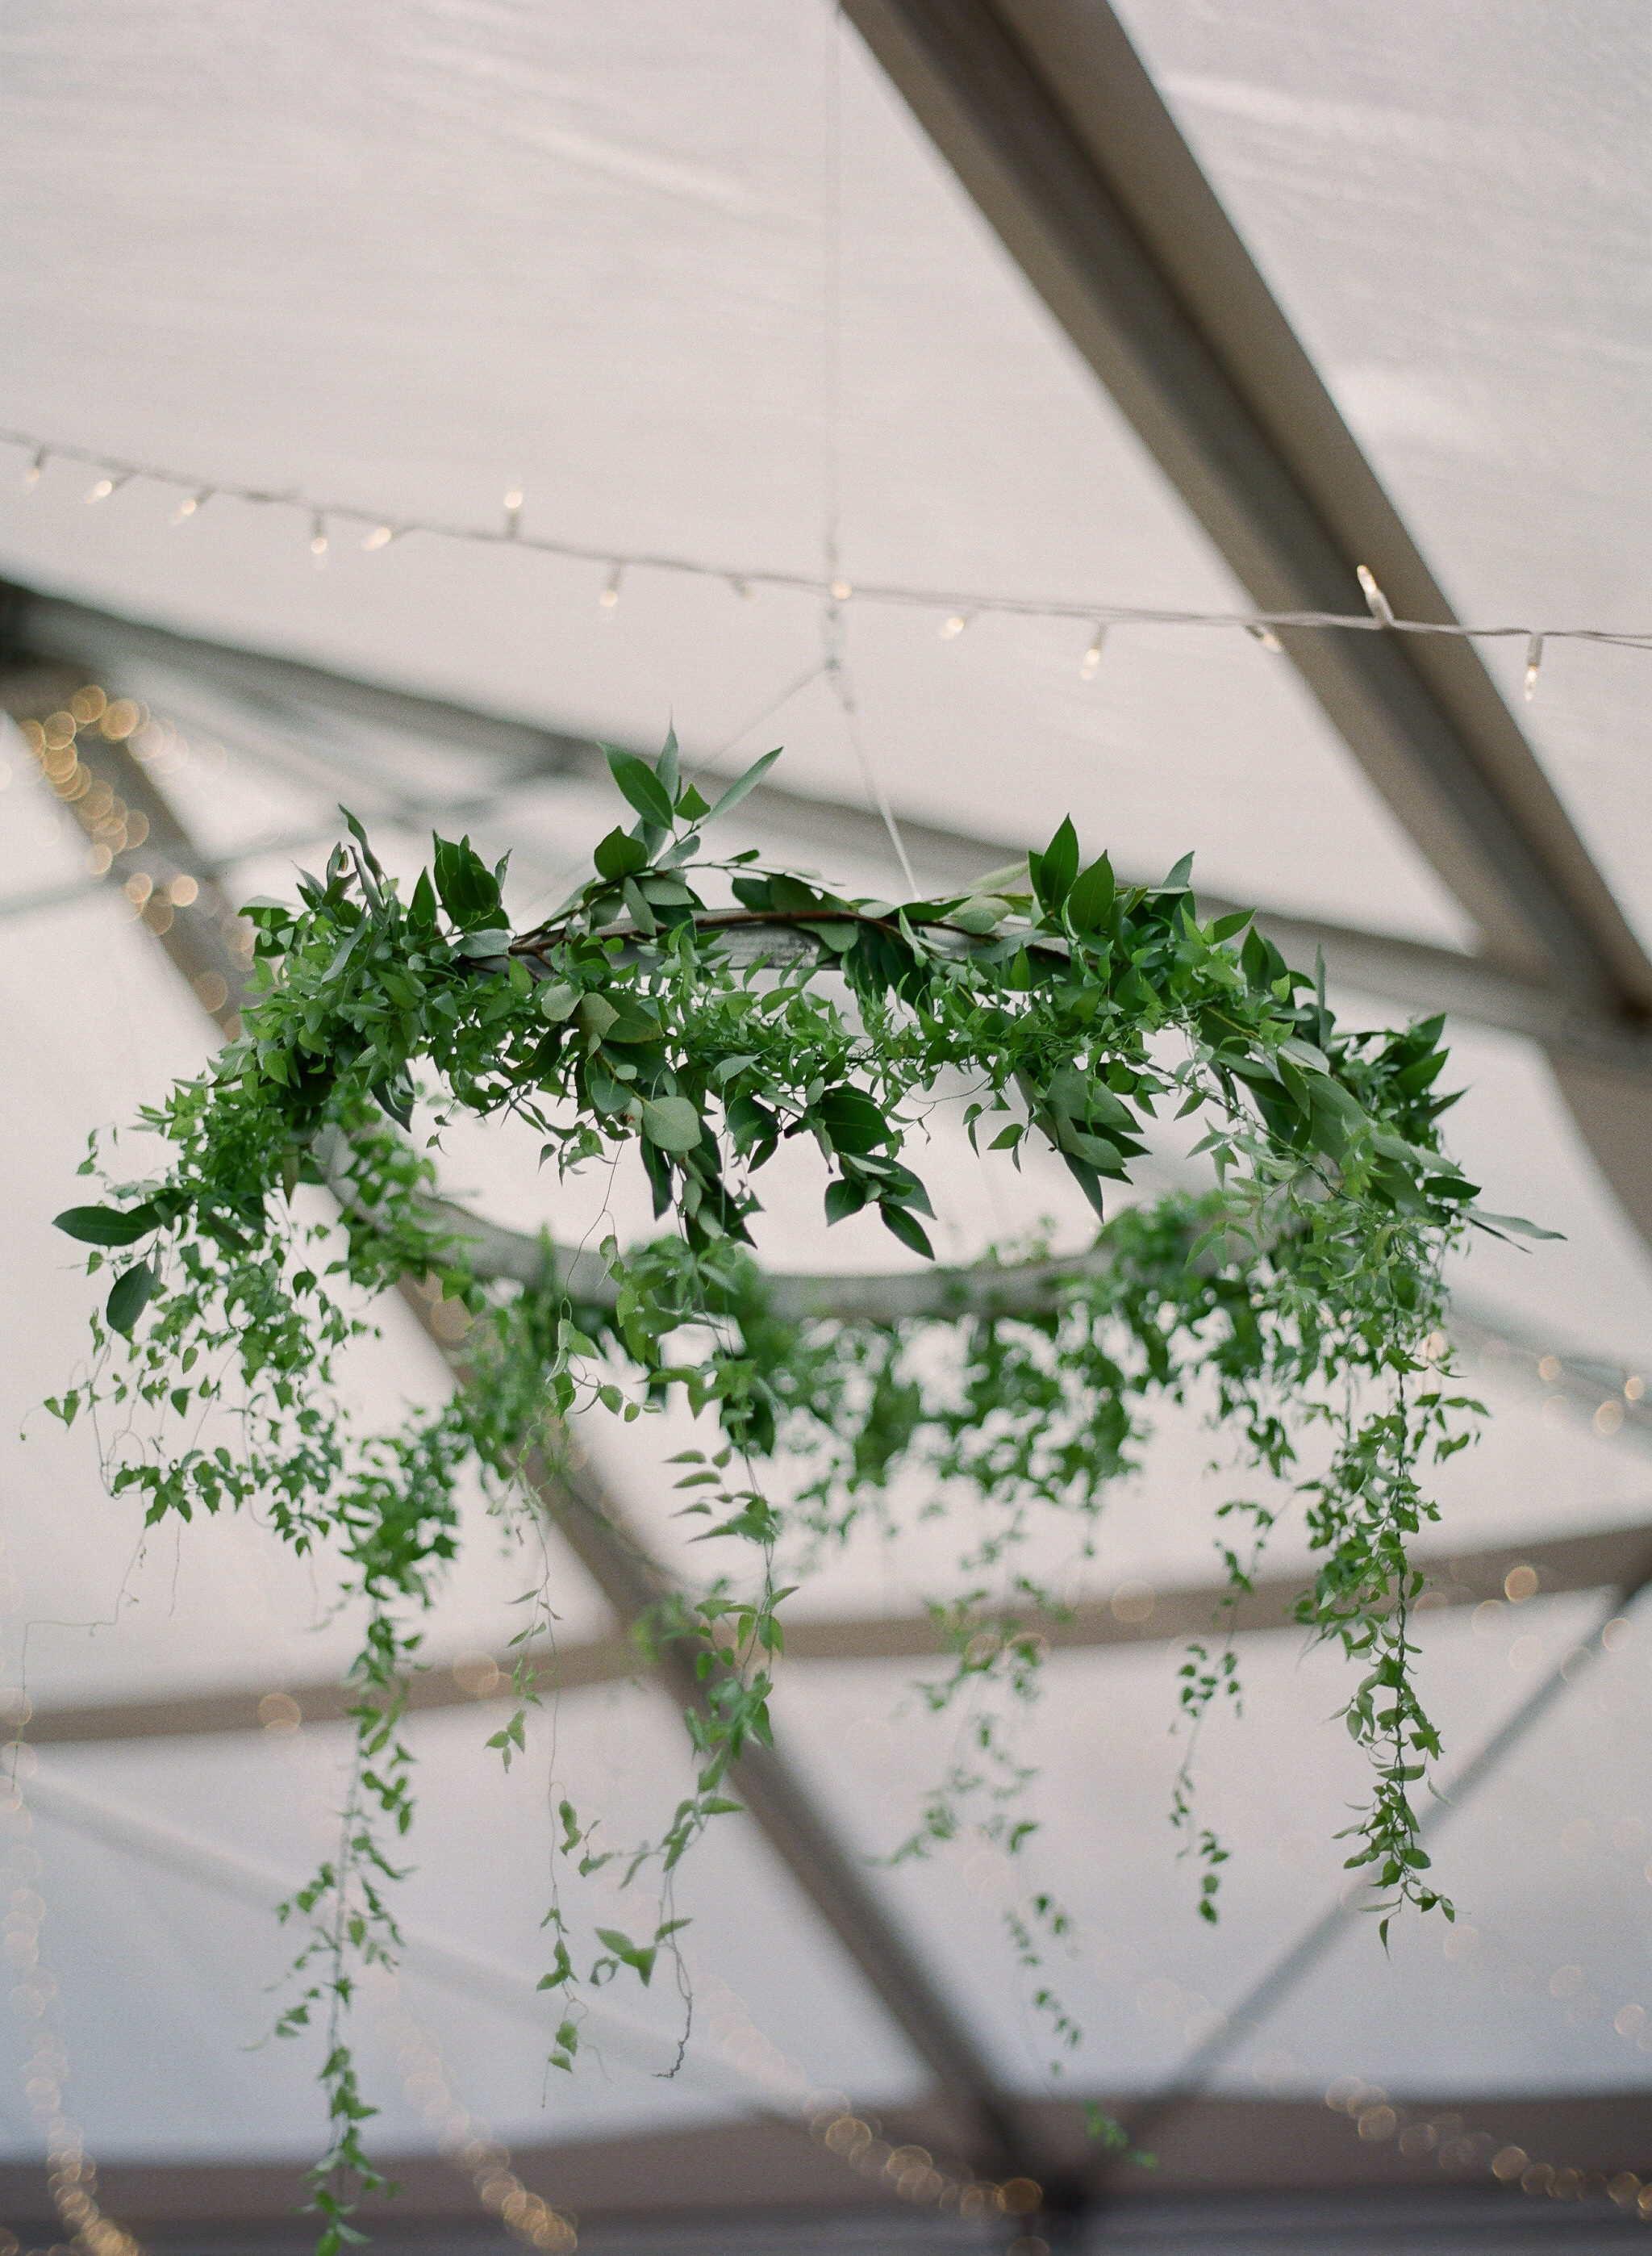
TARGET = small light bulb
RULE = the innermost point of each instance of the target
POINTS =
(513, 508)
(951, 628)
(103, 488)
(1534, 660)
(190, 504)
(1091, 659)
(611, 596)
(841, 591)
(744, 589)
(318, 540)
(32, 476)
(1265, 635)
(1375, 601)
(380, 537)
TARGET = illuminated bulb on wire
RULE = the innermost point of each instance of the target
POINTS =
(103, 488)
(1534, 660)
(513, 508)
(32, 476)
(1091, 659)
(318, 540)
(841, 591)
(1265, 635)
(380, 537)
(190, 506)
(1375, 601)
(611, 596)
(951, 628)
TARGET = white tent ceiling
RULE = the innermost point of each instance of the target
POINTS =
(399, 258)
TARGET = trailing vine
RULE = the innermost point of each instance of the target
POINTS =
(701, 1013)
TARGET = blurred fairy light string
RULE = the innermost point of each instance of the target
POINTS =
(72, 2174)
(960, 608)
(775, 2088)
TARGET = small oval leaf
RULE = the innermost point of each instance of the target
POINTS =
(671, 1122)
(129, 1296)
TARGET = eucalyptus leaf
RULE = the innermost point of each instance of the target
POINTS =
(671, 1122)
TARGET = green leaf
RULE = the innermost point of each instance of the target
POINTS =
(628, 1026)
(107, 1225)
(469, 888)
(980, 913)
(620, 855)
(492, 940)
(642, 914)
(844, 1198)
(1521, 1228)
(375, 866)
(596, 1014)
(1057, 866)
(421, 910)
(671, 1122)
(690, 804)
(1090, 902)
(647, 793)
(737, 791)
(665, 766)
(907, 1228)
(131, 1294)
(640, 1956)
(852, 1121)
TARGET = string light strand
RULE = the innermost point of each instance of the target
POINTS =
(748, 579)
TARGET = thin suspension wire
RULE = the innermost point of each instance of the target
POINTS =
(831, 297)
(1086, 612)
(813, 672)
(869, 777)
(833, 634)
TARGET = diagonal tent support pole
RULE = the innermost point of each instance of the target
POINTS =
(199, 937)
(833, 1880)
(1287, 1973)
(1052, 125)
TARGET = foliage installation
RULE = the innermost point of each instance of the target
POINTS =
(703, 1012)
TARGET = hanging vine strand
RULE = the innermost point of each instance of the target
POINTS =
(1301, 1298)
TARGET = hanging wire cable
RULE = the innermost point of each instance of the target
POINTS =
(870, 778)
(837, 590)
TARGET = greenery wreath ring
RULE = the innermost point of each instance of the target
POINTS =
(1304, 1292)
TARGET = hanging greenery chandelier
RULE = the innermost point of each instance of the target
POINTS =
(1303, 1292)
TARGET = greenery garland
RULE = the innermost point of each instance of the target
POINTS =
(1304, 1292)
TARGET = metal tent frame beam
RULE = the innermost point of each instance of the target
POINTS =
(1050, 120)
(1136, 1614)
